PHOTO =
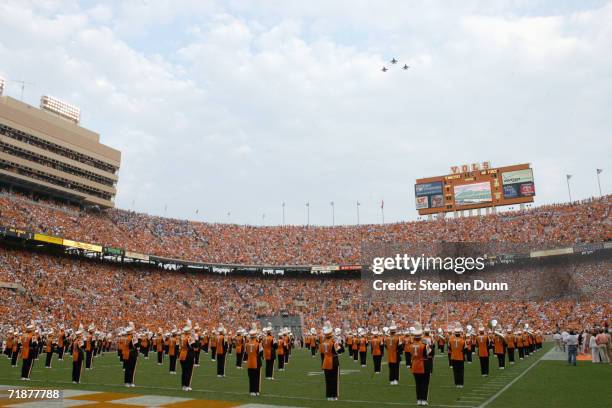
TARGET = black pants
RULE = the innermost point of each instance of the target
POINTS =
(449, 361)
(239, 357)
(511, 355)
(313, 351)
(254, 379)
(186, 372)
(408, 358)
(501, 359)
(173, 364)
(484, 365)
(355, 354)
(196, 357)
(521, 352)
(26, 367)
(362, 357)
(213, 353)
(422, 385)
(60, 353)
(468, 355)
(458, 370)
(393, 371)
(48, 359)
(145, 351)
(88, 358)
(14, 358)
(76, 370)
(331, 383)
(269, 368)
(377, 362)
(130, 370)
(160, 357)
(287, 356)
(281, 362)
(429, 365)
(441, 348)
(221, 364)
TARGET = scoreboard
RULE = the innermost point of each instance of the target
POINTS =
(474, 186)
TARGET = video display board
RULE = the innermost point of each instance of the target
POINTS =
(429, 195)
(518, 183)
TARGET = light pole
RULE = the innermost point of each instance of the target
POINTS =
(569, 192)
(358, 204)
(283, 205)
(307, 214)
(263, 219)
(599, 182)
(333, 213)
(382, 210)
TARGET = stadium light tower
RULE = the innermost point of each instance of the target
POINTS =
(599, 171)
(569, 191)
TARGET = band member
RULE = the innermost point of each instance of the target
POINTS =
(130, 356)
(519, 344)
(499, 347)
(331, 366)
(456, 345)
(8, 349)
(511, 343)
(173, 345)
(89, 346)
(440, 340)
(28, 344)
(16, 348)
(349, 343)
(77, 356)
(377, 350)
(254, 351)
(355, 345)
(221, 351)
(213, 345)
(428, 339)
(143, 345)
(313, 342)
(61, 343)
(187, 358)
(469, 345)
(363, 348)
(49, 348)
(269, 352)
(420, 352)
(482, 341)
(158, 345)
(392, 344)
(407, 344)
(239, 341)
(196, 346)
(281, 350)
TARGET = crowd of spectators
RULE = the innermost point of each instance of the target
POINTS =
(540, 227)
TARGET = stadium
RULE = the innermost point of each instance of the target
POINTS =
(482, 296)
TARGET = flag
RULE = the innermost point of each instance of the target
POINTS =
(331, 203)
(197, 211)
(283, 204)
(358, 203)
(307, 204)
(599, 171)
(382, 204)
(569, 176)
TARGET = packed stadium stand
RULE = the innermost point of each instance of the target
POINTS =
(51, 287)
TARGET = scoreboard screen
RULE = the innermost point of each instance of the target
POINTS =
(475, 186)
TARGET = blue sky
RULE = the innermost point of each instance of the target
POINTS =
(238, 106)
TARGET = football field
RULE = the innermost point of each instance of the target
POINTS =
(533, 382)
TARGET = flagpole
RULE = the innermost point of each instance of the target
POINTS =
(382, 210)
(308, 214)
(333, 213)
(357, 212)
(598, 181)
(283, 205)
(569, 192)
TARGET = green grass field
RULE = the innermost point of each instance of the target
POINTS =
(532, 383)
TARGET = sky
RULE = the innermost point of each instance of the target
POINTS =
(230, 108)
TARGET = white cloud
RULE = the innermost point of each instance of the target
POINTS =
(285, 101)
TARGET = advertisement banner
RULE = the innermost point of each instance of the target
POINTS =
(421, 202)
(136, 255)
(518, 183)
(17, 233)
(82, 245)
(112, 251)
(476, 193)
(428, 195)
(49, 239)
(518, 176)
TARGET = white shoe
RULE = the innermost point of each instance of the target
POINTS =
(419, 402)
(132, 385)
(502, 368)
(127, 384)
(253, 394)
(424, 403)
(184, 388)
(189, 388)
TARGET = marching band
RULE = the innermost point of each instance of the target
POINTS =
(257, 349)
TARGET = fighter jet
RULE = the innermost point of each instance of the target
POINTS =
(405, 67)
(384, 69)
(394, 61)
